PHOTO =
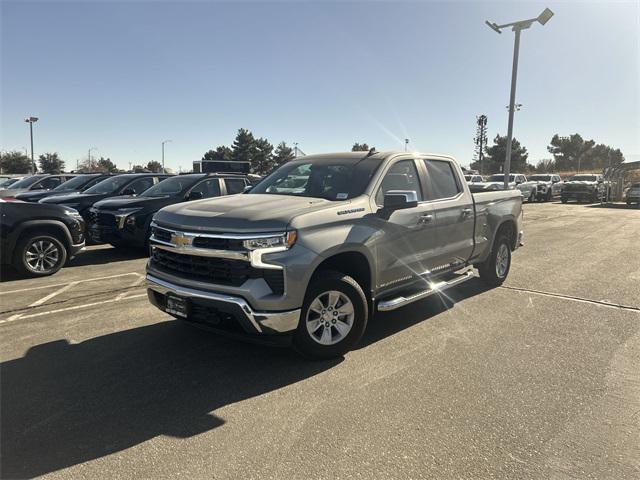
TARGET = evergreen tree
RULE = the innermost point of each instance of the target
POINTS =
(221, 153)
(360, 147)
(14, 162)
(282, 154)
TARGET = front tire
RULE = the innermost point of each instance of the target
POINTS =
(39, 255)
(333, 317)
(494, 270)
(549, 195)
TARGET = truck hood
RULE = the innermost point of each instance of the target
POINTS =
(246, 213)
(38, 195)
(127, 201)
(11, 192)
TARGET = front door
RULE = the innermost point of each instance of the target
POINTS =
(404, 248)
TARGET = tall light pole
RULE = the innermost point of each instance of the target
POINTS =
(90, 165)
(517, 27)
(406, 144)
(164, 141)
(31, 121)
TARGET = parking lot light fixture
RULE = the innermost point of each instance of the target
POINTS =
(31, 121)
(517, 27)
(163, 142)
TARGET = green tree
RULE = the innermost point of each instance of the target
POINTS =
(14, 162)
(569, 152)
(360, 147)
(546, 165)
(282, 154)
(106, 165)
(138, 169)
(244, 146)
(262, 160)
(602, 156)
(51, 163)
(220, 153)
(496, 154)
(154, 166)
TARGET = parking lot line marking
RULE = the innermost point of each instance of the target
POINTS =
(53, 294)
(573, 298)
(66, 309)
(76, 281)
(135, 283)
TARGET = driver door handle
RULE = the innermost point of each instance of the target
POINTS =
(427, 218)
(466, 212)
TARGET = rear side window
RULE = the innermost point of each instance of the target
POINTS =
(49, 183)
(234, 185)
(442, 181)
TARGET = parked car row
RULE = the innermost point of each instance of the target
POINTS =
(41, 228)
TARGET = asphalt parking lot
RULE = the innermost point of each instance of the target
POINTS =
(539, 378)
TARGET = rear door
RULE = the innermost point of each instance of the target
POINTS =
(234, 185)
(453, 211)
(404, 248)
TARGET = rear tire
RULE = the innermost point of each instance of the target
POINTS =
(333, 317)
(494, 270)
(39, 255)
(563, 200)
(549, 195)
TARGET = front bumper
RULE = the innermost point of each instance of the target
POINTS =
(222, 311)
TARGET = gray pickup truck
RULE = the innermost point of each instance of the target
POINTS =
(308, 254)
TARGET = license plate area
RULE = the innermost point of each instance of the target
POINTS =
(177, 306)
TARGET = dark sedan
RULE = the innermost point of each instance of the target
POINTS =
(77, 184)
(126, 184)
(125, 221)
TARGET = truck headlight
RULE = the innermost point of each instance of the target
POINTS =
(286, 240)
(126, 216)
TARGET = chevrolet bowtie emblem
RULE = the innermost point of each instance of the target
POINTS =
(180, 240)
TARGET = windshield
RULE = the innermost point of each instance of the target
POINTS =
(171, 186)
(320, 178)
(73, 184)
(500, 178)
(540, 178)
(5, 182)
(109, 186)
(583, 178)
(26, 182)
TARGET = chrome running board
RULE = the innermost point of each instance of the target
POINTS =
(388, 305)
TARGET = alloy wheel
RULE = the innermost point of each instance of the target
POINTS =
(330, 317)
(42, 256)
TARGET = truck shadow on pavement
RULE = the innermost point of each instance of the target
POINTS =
(64, 404)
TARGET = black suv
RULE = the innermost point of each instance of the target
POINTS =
(125, 221)
(126, 184)
(38, 239)
(77, 184)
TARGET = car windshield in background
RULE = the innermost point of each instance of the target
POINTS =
(26, 182)
(109, 186)
(71, 185)
(5, 182)
(171, 186)
(500, 178)
(583, 178)
(341, 180)
(540, 178)
(467, 178)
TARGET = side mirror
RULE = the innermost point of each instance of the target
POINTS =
(195, 195)
(248, 188)
(128, 191)
(518, 182)
(400, 199)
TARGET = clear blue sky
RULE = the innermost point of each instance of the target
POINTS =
(123, 76)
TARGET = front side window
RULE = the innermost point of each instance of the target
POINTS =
(48, 183)
(140, 185)
(110, 185)
(403, 175)
(208, 188)
(442, 181)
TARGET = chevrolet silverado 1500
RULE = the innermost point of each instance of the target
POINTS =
(310, 252)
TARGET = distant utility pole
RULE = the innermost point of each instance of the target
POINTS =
(165, 141)
(517, 27)
(31, 121)
(481, 138)
(406, 144)
(295, 149)
(90, 165)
